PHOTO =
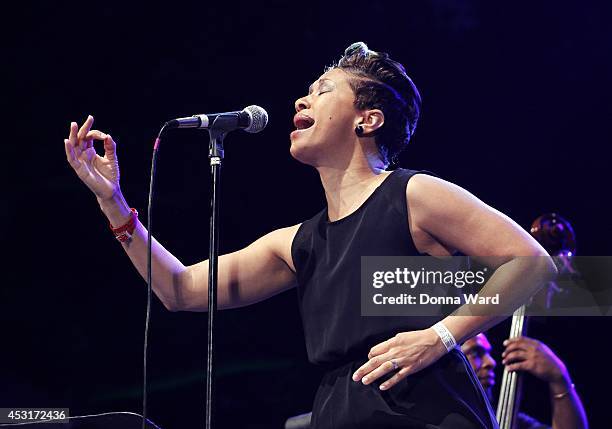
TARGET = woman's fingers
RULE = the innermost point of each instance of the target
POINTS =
(95, 135)
(366, 368)
(85, 128)
(84, 142)
(381, 348)
(381, 363)
(75, 160)
(399, 376)
(72, 138)
(71, 155)
(100, 174)
(385, 368)
(110, 148)
(109, 144)
(380, 366)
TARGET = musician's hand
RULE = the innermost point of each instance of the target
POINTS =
(411, 351)
(100, 174)
(534, 357)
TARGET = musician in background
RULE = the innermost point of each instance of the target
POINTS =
(534, 357)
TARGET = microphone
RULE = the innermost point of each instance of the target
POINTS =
(252, 119)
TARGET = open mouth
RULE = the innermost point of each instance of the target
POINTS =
(303, 122)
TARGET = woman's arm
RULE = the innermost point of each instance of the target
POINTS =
(252, 274)
(249, 275)
(458, 221)
(445, 218)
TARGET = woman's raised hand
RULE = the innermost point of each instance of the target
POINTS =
(99, 173)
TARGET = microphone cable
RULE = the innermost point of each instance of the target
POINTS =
(149, 272)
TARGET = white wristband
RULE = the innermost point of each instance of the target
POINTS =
(445, 335)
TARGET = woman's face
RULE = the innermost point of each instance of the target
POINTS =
(325, 120)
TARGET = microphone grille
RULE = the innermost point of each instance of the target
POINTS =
(259, 118)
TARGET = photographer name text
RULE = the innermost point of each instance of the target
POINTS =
(423, 298)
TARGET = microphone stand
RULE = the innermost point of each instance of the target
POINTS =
(215, 155)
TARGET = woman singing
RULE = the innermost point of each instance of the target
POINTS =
(384, 372)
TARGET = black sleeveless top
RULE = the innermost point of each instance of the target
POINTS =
(327, 260)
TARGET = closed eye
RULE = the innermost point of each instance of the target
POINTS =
(323, 90)
(324, 85)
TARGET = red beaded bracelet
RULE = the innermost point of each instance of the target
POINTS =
(124, 232)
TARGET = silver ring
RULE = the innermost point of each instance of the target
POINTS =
(395, 365)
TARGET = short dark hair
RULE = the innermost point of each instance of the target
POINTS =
(382, 83)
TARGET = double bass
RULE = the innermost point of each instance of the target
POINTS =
(557, 236)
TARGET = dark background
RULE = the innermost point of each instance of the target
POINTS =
(516, 108)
